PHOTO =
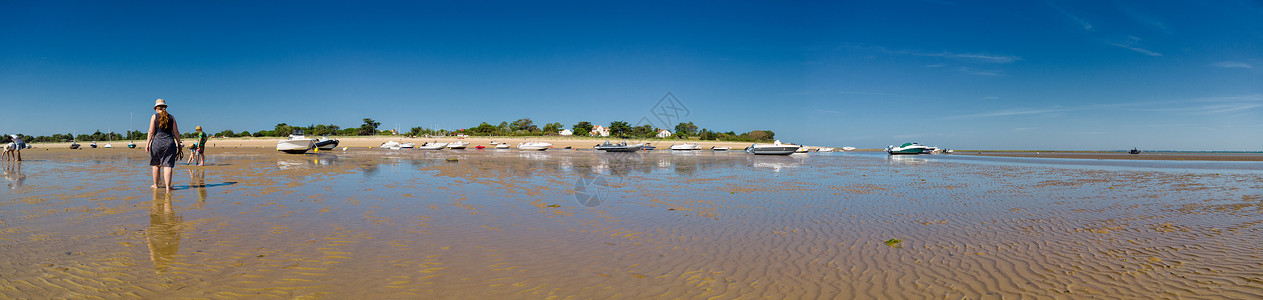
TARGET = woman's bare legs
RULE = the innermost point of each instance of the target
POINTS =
(166, 174)
(155, 177)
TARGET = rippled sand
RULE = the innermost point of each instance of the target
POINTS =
(373, 224)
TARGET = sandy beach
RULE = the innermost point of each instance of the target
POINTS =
(377, 224)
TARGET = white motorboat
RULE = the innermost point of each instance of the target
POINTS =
(107, 145)
(408, 145)
(390, 144)
(826, 149)
(802, 150)
(432, 146)
(848, 148)
(536, 146)
(686, 147)
(717, 148)
(458, 145)
(93, 145)
(502, 146)
(776, 148)
(296, 144)
(906, 148)
(325, 143)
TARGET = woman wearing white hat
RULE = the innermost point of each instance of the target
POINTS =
(163, 143)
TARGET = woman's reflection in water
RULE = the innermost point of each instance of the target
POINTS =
(197, 180)
(164, 232)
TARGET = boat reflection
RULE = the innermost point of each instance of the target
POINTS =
(776, 163)
(907, 160)
(535, 155)
(305, 162)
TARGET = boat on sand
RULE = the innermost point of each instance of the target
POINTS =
(536, 146)
(620, 147)
(906, 149)
(776, 148)
(297, 143)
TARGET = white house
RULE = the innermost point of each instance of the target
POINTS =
(566, 132)
(599, 131)
(663, 133)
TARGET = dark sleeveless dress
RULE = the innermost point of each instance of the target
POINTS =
(163, 150)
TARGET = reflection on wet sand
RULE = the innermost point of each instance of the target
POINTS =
(491, 224)
(13, 174)
(907, 160)
(163, 236)
(197, 181)
(774, 162)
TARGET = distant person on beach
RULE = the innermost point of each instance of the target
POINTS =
(163, 143)
(199, 148)
(13, 150)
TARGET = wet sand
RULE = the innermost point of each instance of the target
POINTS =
(381, 224)
(1142, 156)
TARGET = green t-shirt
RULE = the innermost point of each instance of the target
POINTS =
(201, 139)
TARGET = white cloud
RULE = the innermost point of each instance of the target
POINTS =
(1083, 23)
(972, 57)
(972, 71)
(1130, 44)
(1009, 112)
(1233, 65)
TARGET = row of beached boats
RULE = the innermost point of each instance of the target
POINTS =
(776, 148)
(393, 145)
(297, 143)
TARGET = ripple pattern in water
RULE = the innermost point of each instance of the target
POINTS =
(581, 224)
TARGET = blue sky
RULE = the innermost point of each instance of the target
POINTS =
(1083, 75)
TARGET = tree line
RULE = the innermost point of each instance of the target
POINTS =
(521, 127)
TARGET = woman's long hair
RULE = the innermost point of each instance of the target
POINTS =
(165, 119)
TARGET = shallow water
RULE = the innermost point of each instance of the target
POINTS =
(581, 224)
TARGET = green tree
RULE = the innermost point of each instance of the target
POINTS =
(524, 124)
(582, 128)
(282, 129)
(643, 131)
(503, 128)
(243, 134)
(226, 132)
(552, 128)
(369, 127)
(762, 135)
(484, 129)
(685, 129)
(620, 129)
(321, 130)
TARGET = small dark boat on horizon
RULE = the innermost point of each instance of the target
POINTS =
(1134, 151)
